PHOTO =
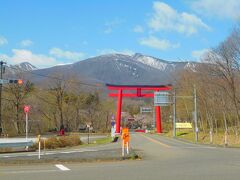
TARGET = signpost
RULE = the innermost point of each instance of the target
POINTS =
(88, 127)
(113, 120)
(39, 146)
(194, 112)
(26, 111)
(174, 113)
(2, 82)
(113, 130)
(125, 140)
(113, 127)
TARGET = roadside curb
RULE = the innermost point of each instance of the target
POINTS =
(80, 157)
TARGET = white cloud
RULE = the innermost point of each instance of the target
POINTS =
(111, 25)
(41, 60)
(22, 55)
(3, 41)
(218, 8)
(198, 54)
(112, 51)
(4, 57)
(160, 44)
(138, 29)
(168, 19)
(108, 30)
(70, 55)
(26, 43)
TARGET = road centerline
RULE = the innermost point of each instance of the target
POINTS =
(155, 141)
(62, 167)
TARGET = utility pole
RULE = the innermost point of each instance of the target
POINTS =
(174, 113)
(195, 112)
(1, 75)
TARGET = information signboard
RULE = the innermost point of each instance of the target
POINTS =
(161, 98)
(184, 125)
(145, 109)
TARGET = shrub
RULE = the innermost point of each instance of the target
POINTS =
(60, 142)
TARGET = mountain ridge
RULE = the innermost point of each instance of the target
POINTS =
(115, 69)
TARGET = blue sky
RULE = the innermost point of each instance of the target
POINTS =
(46, 33)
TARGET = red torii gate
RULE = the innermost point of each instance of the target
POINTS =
(138, 93)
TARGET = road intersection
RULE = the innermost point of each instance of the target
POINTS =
(162, 158)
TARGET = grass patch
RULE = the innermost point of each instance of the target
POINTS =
(182, 133)
(133, 156)
(103, 140)
(204, 138)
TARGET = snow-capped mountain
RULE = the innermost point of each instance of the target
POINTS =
(12, 70)
(163, 65)
(118, 69)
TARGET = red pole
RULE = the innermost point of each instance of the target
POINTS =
(119, 110)
(158, 120)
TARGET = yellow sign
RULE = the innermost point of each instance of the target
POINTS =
(184, 125)
(38, 138)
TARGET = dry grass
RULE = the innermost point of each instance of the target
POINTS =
(60, 142)
(6, 149)
(204, 138)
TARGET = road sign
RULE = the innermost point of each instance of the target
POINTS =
(125, 135)
(113, 130)
(145, 109)
(161, 98)
(131, 119)
(11, 81)
(26, 109)
(184, 125)
(20, 81)
(125, 140)
(112, 123)
(113, 117)
(4, 81)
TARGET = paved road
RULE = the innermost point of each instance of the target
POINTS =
(163, 158)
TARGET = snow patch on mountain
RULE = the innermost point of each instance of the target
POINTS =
(152, 62)
(25, 66)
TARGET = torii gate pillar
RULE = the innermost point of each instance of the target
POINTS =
(158, 119)
(119, 110)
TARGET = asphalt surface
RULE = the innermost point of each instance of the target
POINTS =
(92, 153)
(163, 158)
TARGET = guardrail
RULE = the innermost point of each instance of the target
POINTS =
(16, 144)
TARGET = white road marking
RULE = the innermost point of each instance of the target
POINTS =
(62, 167)
(192, 147)
(31, 154)
(6, 156)
(28, 172)
(50, 153)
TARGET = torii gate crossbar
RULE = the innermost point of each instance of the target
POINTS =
(136, 91)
